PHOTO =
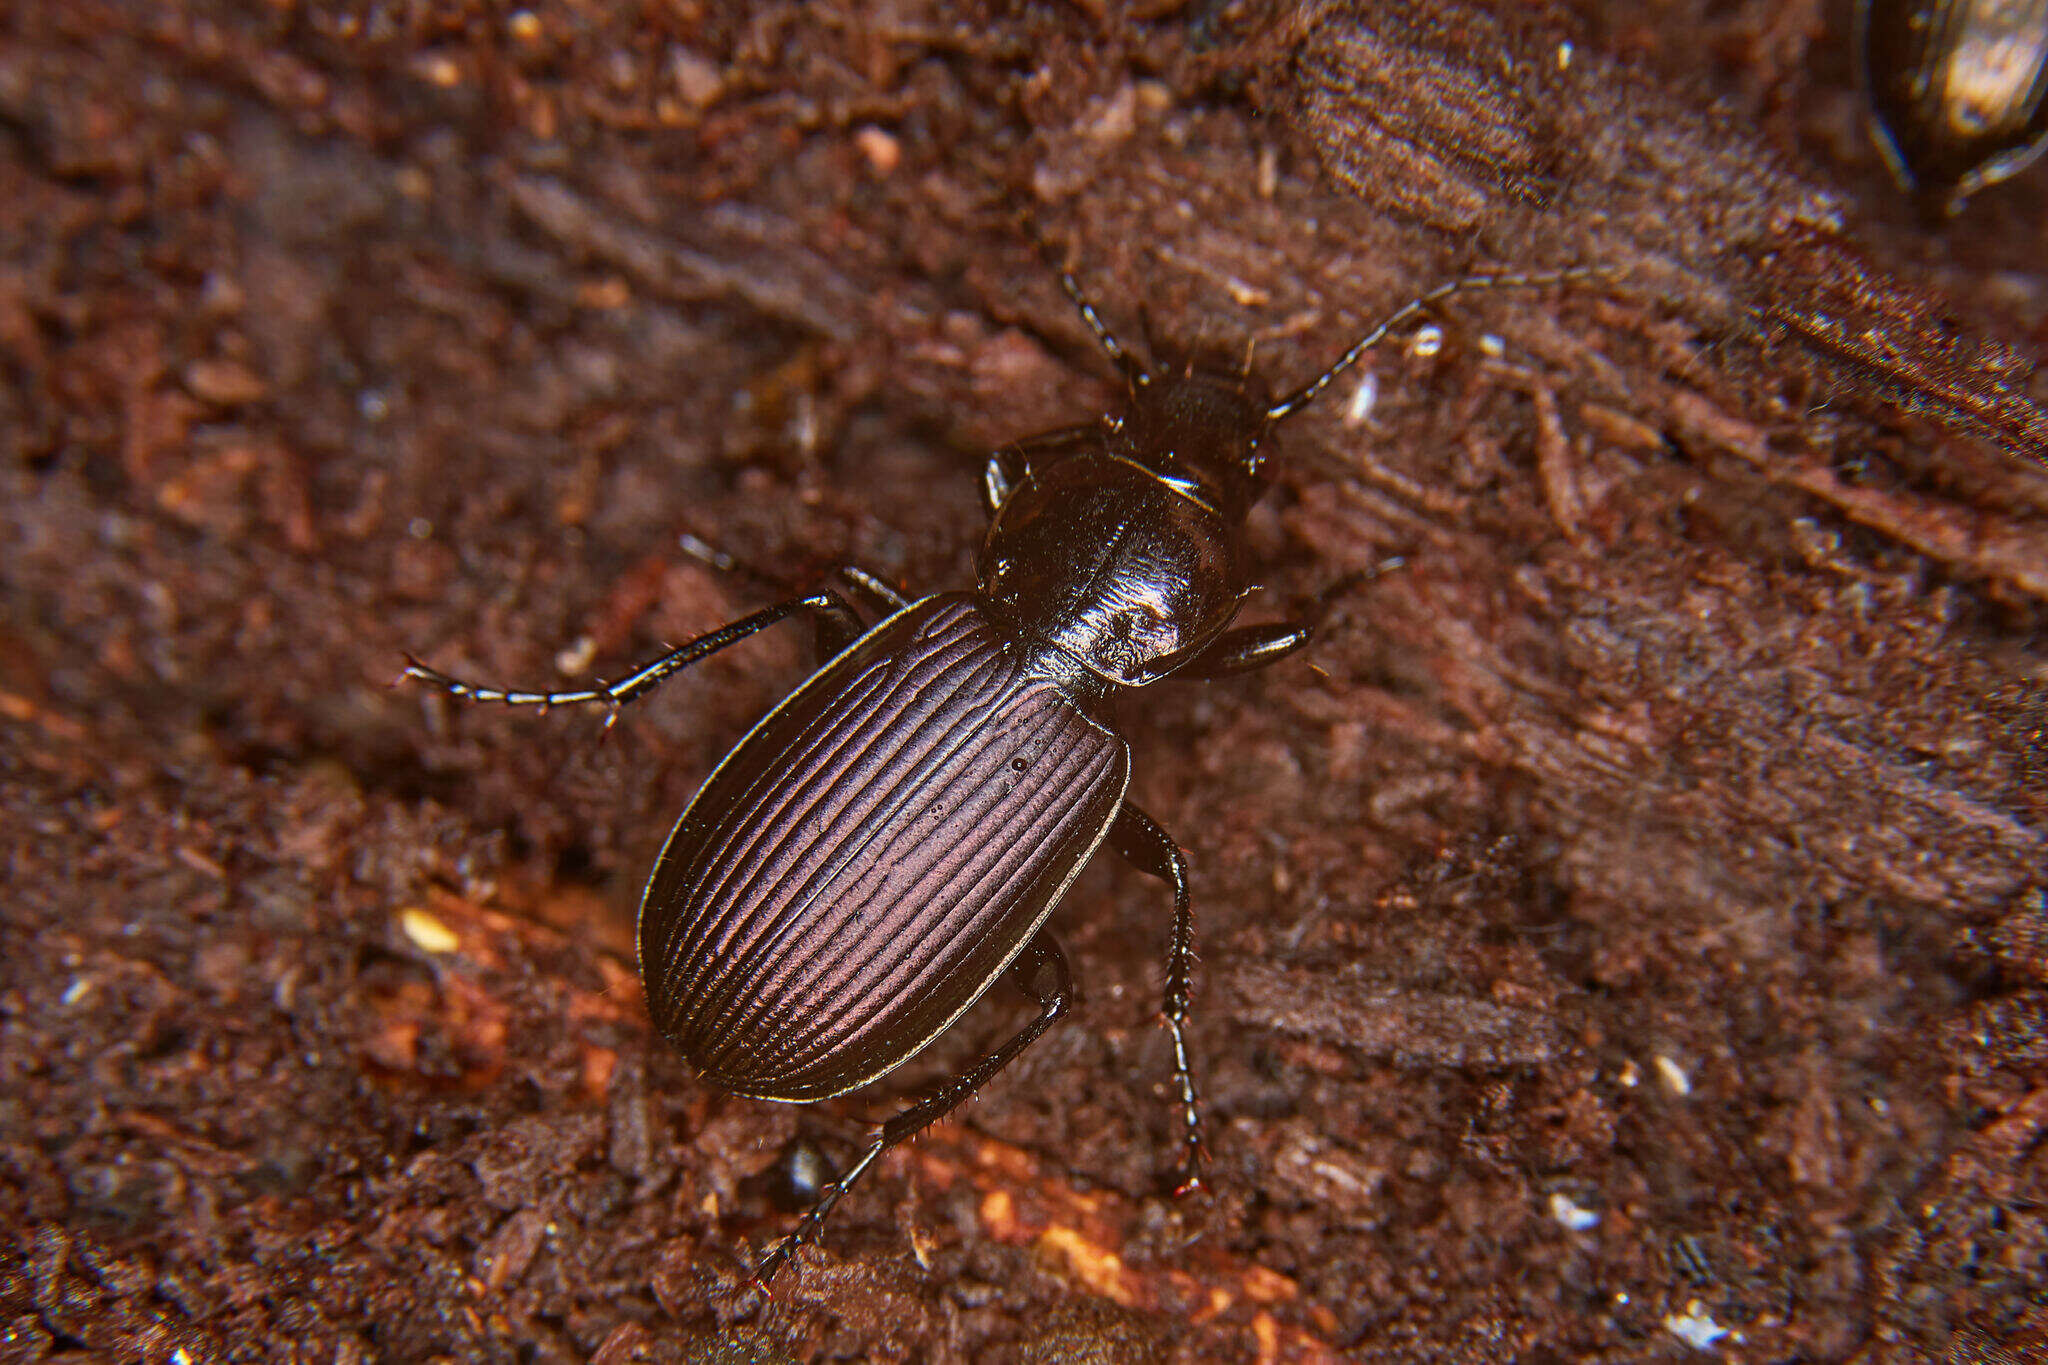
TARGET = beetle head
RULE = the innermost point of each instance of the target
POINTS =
(1206, 426)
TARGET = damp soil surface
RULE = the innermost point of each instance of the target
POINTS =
(1622, 935)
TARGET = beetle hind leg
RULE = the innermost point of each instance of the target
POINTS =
(1040, 972)
(1149, 848)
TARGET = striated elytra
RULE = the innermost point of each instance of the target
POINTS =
(857, 811)
(891, 839)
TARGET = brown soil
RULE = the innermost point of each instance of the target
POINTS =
(1629, 919)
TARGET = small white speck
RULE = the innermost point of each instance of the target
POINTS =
(1571, 1214)
(1564, 56)
(1673, 1075)
(575, 659)
(1427, 341)
(181, 1357)
(1630, 1074)
(372, 405)
(1621, 1298)
(1491, 346)
(1363, 399)
(709, 553)
(920, 1247)
(76, 991)
(427, 932)
(1269, 171)
(1696, 1328)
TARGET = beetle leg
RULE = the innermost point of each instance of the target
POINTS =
(828, 604)
(835, 633)
(1040, 972)
(875, 593)
(1252, 647)
(1010, 465)
(1006, 469)
(872, 591)
(1147, 847)
(1249, 647)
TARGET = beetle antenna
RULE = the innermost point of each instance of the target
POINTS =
(1300, 399)
(1125, 361)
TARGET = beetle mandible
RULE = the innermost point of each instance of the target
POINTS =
(892, 837)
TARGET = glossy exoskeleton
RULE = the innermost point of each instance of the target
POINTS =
(890, 840)
(1958, 90)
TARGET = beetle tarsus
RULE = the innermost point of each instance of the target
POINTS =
(813, 1221)
(772, 1260)
(1193, 1153)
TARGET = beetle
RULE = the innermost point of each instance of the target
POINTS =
(1958, 91)
(891, 838)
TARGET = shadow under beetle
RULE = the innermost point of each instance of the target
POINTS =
(892, 837)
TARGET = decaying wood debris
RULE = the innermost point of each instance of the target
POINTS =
(1626, 930)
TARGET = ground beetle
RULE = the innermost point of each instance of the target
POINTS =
(892, 837)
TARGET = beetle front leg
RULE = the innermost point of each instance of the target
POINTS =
(1252, 647)
(1040, 972)
(1247, 648)
(829, 605)
(1147, 847)
(1010, 465)
(1005, 469)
